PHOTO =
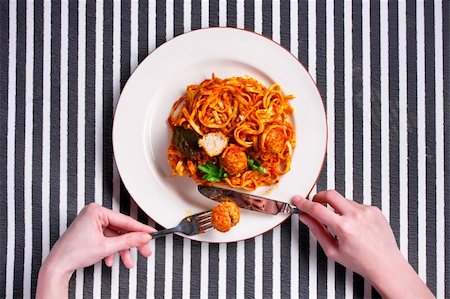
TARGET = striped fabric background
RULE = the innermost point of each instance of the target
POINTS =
(383, 69)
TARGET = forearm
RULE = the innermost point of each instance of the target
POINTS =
(399, 280)
(52, 283)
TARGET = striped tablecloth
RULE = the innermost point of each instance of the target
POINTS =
(383, 69)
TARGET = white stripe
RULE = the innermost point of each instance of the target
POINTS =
(222, 283)
(331, 134)
(116, 180)
(205, 14)
(151, 267)
(312, 261)
(258, 266)
(204, 262)
(240, 23)
(187, 10)
(186, 268)
(81, 126)
(168, 266)
(46, 131)
(11, 239)
(223, 13)
(169, 20)
(276, 258)
(367, 136)
(98, 129)
(403, 129)
(384, 84)
(440, 201)
(295, 263)
(258, 17)
(28, 172)
(151, 25)
(276, 21)
(132, 277)
(240, 269)
(10, 158)
(312, 70)
(63, 117)
(294, 28)
(421, 175)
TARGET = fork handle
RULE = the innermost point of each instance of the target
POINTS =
(163, 232)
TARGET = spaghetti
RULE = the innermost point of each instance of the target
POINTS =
(244, 117)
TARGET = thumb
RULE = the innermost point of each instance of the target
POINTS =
(127, 241)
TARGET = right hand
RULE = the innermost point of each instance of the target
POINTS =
(363, 242)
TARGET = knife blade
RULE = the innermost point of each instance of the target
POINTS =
(248, 201)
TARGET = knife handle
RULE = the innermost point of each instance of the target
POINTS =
(295, 210)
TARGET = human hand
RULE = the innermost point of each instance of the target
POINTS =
(96, 233)
(363, 241)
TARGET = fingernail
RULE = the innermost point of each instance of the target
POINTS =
(144, 238)
(296, 199)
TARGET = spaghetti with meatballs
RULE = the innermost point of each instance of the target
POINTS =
(232, 130)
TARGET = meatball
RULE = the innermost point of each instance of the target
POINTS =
(275, 140)
(234, 160)
(225, 215)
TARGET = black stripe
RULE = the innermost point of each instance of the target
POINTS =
(160, 23)
(267, 18)
(196, 253)
(394, 137)
(143, 30)
(107, 126)
(302, 26)
(249, 15)
(36, 216)
(231, 270)
(267, 267)
(303, 232)
(213, 13)
(178, 17)
(125, 53)
(231, 13)
(411, 60)
(430, 142)
(20, 150)
(160, 270)
(4, 81)
(89, 132)
(446, 100)
(141, 271)
(196, 14)
(285, 275)
(339, 111)
(213, 271)
(321, 79)
(375, 99)
(357, 95)
(285, 24)
(72, 123)
(177, 267)
(249, 273)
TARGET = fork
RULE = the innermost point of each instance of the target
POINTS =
(191, 225)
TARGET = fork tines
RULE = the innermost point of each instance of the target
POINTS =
(204, 220)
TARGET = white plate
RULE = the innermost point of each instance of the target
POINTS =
(141, 133)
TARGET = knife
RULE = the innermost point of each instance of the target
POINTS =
(248, 201)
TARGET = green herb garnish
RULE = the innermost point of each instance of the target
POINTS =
(256, 165)
(212, 174)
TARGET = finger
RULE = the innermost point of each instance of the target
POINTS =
(124, 222)
(144, 250)
(127, 241)
(109, 260)
(316, 210)
(322, 235)
(339, 203)
(127, 259)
